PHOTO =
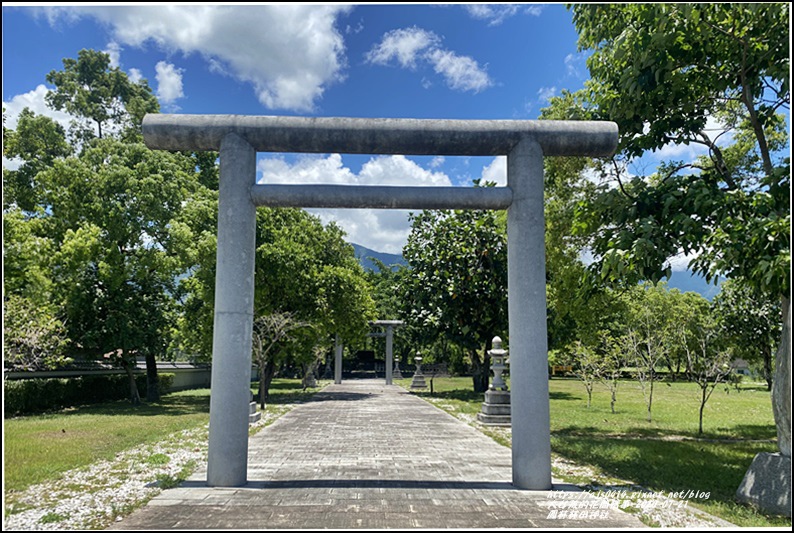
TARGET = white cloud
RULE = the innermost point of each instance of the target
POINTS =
(408, 46)
(496, 172)
(404, 45)
(495, 14)
(546, 93)
(437, 161)
(289, 53)
(35, 101)
(461, 72)
(718, 133)
(574, 63)
(169, 83)
(114, 51)
(379, 229)
(680, 262)
(135, 75)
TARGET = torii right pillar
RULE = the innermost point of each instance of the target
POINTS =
(526, 302)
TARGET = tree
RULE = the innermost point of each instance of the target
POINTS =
(586, 365)
(270, 331)
(708, 359)
(304, 271)
(661, 71)
(750, 321)
(109, 211)
(33, 338)
(647, 335)
(457, 285)
(38, 141)
(89, 88)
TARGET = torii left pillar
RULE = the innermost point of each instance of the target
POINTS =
(227, 461)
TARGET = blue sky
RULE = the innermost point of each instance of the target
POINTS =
(419, 61)
(464, 61)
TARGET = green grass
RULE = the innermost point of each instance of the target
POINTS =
(664, 455)
(41, 447)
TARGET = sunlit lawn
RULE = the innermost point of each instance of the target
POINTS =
(664, 455)
(40, 447)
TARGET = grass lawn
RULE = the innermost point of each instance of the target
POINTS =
(665, 455)
(41, 447)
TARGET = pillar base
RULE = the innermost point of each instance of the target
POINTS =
(767, 484)
(495, 409)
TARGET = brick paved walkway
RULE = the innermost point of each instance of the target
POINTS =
(366, 455)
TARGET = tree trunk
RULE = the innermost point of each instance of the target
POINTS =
(614, 399)
(135, 398)
(152, 380)
(480, 370)
(768, 369)
(270, 372)
(262, 395)
(702, 405)
(781, 385)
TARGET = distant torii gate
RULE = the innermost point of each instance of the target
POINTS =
(238, 138)
(390, 326)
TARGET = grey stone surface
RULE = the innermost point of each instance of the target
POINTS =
(767, 484)
(234, 314)
(380, 135)
(343, 462)
(381, 197)
(526, 306)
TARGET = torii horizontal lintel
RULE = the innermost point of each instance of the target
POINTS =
(380, 135)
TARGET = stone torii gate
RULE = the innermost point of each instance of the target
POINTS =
(238, 138)
(390, 326)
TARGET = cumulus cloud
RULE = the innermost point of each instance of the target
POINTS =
(114, 51)
(35, 101)
(495, 14)
(496, 172)
(378, 229)
(409, 46)
(135, 75)
(169, 83)
(289, 53)
(403, 45)
(461, 72)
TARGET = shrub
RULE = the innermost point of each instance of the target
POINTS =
(26, 396)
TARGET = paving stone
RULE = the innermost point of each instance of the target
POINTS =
(363, 455)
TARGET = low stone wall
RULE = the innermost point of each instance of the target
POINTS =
(186, 375)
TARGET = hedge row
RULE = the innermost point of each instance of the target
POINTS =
(26, 396)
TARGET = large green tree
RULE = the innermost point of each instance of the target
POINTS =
(751, 322)
(101, 96)
(110, 213)
(457, 287)
(662, 71)
(304, 270)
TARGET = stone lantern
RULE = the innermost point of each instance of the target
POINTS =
(499, 358)
(418, 382)
(496, 407)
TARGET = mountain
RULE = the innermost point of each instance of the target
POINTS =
(686, 281)
(364, 256)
